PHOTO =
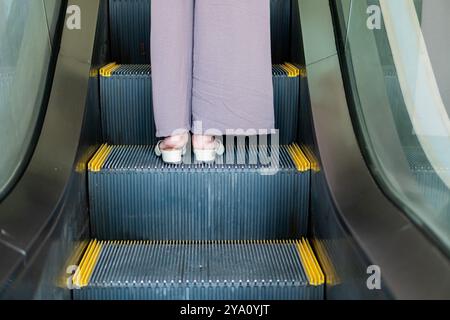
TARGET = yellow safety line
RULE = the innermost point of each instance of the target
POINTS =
(91, 263)
(73, 260)
(331, 275)
(310, 263)
(83, 161)
(311, 158)
(99, 159)
(301, 161)
(94, 159)
(78, 274)
(291, 71)
(107, 70)
(303, 72)
(93, 73)
(295, 72)
(87, 265)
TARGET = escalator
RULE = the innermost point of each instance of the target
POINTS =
(300, 214)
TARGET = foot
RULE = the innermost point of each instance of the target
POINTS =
(203, 142)
(174, 142)
(206, 148)
(172, 149)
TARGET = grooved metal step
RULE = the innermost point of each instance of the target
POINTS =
(127, 104)
(130, 27)
(242, 196)
(235, 270)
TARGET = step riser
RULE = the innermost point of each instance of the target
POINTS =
(201, 293)
(130, 30)
(127, 105)
(218, 206)
(127, 109)
(196, 203)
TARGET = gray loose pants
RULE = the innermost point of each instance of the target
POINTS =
(211, 66)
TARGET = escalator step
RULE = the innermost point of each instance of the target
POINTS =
(234, 270)
(242, 196)
(280, 27)
(130, 29)
(127, 104)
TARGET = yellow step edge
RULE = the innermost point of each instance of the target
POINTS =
(314, 163)
(107, 70)
(316, 265)
(310, 263)
(83, 161)
(290, 71)
(303, 72)
(104, 70)
(90, 265)
(285, 68)
(99, 158)
(73, 260)
(295, 70)
(94, 160)
(300, 160)
(78, 274)
(93, 73)
(331, 275)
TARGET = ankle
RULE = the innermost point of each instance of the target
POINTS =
(175, 141)
(203, 142)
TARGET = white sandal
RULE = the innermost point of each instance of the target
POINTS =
(172, 156)
(209, 155)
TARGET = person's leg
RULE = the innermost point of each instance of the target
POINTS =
(232, 82)
(171, 55)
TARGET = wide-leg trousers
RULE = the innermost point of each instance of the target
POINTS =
(211, 67)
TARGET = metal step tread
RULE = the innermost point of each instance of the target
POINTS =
(288, 267)
(143, 157)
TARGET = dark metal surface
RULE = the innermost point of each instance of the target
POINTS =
(127, 105)
(136, 196)
(411, 265)
(131, 27)
(197, 271)
(45, 215)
